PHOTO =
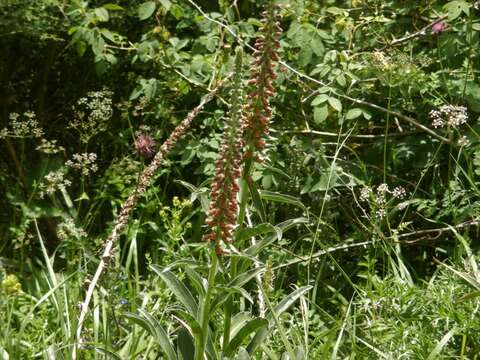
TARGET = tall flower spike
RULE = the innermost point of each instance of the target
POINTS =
(122, 218)
(259, 112)
(222, 212)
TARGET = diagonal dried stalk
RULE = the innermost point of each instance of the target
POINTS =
(122, 219)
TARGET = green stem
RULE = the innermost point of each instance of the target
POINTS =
(205, 310)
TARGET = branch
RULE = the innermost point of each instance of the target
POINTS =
(421, 32)
(438, 231)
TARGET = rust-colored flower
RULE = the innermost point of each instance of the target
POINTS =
(222, 212)
(259, 111)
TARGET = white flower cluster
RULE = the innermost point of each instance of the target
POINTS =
(68, 230)
(49, 147)
(84, 162)
(24, 126)
(53, 181)
(449, 115)
(92, 114)
(379, 197)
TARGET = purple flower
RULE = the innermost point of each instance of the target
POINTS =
(145, 145)
(439, 27)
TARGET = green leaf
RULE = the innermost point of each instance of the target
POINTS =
(284, 226)
(81, 47)
(335, 103)
(178, 289)
(243, 354)
(101, 13)
(455, 8)
(185, 344)
(286, 302)
(442, 343)
(319, 99)
(260, 229)
(149, 323)
(320, 114)
(282, 198)
(166, 4)
(113, 7)
(249, 328)
(353, 113)
(146, 10)
(305, 55)
(317, 46)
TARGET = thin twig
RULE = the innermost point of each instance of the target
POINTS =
(122, 219)
(421, 32)
(360, 136)
(345, 247)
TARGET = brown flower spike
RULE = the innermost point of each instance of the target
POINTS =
(259, 111)
(222, 213)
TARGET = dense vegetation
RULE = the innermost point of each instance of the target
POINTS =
(245, 179)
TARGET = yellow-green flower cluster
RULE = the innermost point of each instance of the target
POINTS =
(10, 285)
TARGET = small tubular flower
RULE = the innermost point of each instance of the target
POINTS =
(259, 111)
(222, 213)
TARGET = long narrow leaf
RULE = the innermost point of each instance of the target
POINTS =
(178, 288)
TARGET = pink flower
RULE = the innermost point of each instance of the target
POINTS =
(439, 27)
(145, 145)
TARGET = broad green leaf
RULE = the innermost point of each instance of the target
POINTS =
(242, 354)
(353, 113)
(245, 277)
(455, 8)
(320, 114)
(317, 46)
(178, 289)
(149, 323)
(166, 4)
(335, 103)
(185, 344)
(243, 334)
(320, 99)
(247, 233)
(146, 10)
(101, 13)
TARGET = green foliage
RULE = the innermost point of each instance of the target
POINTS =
(357, 233)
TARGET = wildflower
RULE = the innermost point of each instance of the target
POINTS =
(22, 126)
(382, 188)
(53, 181)
(463, 141)
(439, 27)
(11, 285)
(123, 302)
(68, 230)
(399, 192)
(145, 145)
(49, 147)
(449, 115)
(365, 194)
(92, 114)
(381, 212)
(84, 162)
(222, 212)
(259, 111)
